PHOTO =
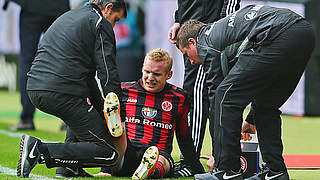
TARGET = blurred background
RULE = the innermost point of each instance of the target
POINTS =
(146, 28)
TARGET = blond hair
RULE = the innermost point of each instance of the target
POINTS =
(160, 55)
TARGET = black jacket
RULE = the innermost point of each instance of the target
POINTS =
(205, 11)
(252, 26)
(77, 44)
(44, 7)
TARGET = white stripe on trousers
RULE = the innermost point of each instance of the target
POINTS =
(231, 7)
(197, 107)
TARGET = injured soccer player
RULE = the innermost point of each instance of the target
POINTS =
(153, 110)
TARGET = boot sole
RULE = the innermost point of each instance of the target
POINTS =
(147, 165)
(111, 111)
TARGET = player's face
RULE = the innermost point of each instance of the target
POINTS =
(112, 16)
(154, 75)
(191, 52)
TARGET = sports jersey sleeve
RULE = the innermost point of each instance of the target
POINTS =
(185, 141)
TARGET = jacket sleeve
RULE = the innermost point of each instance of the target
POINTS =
(211, 63)
(44, 7)
(176, 17)
(95, 96)
(229, 6)
(213, 70)
(105, 54)
(188, 9)
(185, 141)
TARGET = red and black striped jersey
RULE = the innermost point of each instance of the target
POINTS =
(152, 118)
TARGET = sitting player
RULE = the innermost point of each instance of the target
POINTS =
(153, 110)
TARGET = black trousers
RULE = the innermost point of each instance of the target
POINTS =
(267, 76)
(31, 27)
(96, 100)
(94, 149)
(195, 85)
(132, 159)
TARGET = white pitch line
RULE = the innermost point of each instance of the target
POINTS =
(8, 171)
(17, 135)
(11, 134)
(13, 172)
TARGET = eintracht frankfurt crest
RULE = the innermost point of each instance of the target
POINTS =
(166, 106)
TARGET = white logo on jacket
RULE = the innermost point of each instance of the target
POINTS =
(253, 12)
(231, 19)
(250, 15)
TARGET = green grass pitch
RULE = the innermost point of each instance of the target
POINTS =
(300, 136)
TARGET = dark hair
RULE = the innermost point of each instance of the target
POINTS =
(189, 29)
(117, 5)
